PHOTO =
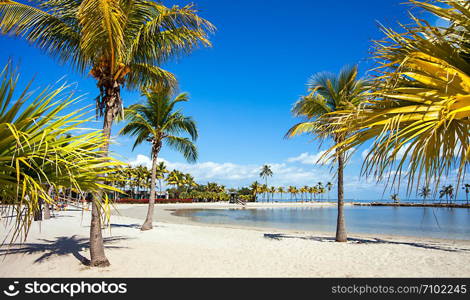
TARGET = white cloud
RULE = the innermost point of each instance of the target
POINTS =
(308, 159)
(231, 174)
(141, 160)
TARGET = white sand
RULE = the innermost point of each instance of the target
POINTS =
(189, 250)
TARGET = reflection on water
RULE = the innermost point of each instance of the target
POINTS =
(452, 223)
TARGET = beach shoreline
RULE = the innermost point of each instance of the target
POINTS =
(167, 213)
(178, 247)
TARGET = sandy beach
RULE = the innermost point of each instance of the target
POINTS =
(179, 247)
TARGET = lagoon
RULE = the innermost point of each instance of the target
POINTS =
(448, 223)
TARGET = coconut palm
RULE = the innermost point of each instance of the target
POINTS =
(265, 173)
(304, 191)
(38, 152)
(418, 117)
(272, 190)
(174, 178)
(189, 181)
(395, 198)
(320, 189)
(450, 192)
(329, 186)
(290, 190)
(140, 178)
(281, 191)
(466, 187)
(158, 122)
(424, 192)
(312, 191)
(264, 190)
(161, 171)
(255, 189)
(328, 93)
(443, 192)
(120, 43)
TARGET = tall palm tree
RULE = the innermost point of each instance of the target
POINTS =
(119, 42)
(290, 190)
(418, 116)
(320, 189)
(450, 192)
(140, 177)
(328, 93)
(424, 192)
(329, 186)
(37, 152)
(264, 190)
(304, 191)
(265, 173)
(158, 122)
(174, 178)
(296, 192)
(189, 181)
(272, 190)
(161, 171)
(466, 187)
(313, 191)
(255, 189)
(281, 191)
(443, 192)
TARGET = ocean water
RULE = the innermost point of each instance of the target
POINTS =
(449, 223)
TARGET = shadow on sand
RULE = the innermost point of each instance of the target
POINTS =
(60, 246)
(134, 226)
(433, 246)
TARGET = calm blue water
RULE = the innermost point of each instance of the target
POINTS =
(449, 223)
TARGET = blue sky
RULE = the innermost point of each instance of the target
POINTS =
(243, 87)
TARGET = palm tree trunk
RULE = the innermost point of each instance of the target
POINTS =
(112, 103)
(148, 224)
(47, 211)
(341, 235)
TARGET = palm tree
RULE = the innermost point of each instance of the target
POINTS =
(157, 122)
(272, 191)
(329, 93)
(313, 191)
(161, 171)
(304, 190)
(443, 192)
(296, 191)
(264, 190)
(395, 198)
(120, 43)
(140, 178)
(189, 181)
(466, 187)
(265, 173)
(290, 190)
(450, 192)
(421, 103)
(424, 192)
(37, 152)
(329, 186)
(174, 178)
(255, 189)
(281, 191)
